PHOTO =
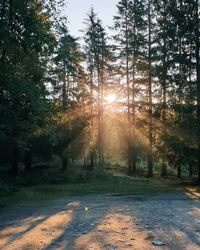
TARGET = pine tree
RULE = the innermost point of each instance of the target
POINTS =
(26, 44)
(69, 71)
(97, 57)
(128, 25)
(197, 51)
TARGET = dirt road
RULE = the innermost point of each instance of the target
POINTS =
(122, 222)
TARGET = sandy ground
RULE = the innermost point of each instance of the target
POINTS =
(122, 222)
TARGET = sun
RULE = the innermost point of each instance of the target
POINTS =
(110, 98)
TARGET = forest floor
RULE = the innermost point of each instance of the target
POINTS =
(104, 221)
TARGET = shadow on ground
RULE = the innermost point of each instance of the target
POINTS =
(104, 222)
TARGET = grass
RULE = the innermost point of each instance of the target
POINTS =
(99, 184)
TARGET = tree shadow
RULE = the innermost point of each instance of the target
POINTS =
(105, 222)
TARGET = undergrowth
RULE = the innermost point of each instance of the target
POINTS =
(50, 184)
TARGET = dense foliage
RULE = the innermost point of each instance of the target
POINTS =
(129, 98)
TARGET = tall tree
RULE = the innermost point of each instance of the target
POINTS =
(26, 44)
(70, 73)
(162, 58)
(124, 25)
(97, 57)
(197, 51)
(150, 151)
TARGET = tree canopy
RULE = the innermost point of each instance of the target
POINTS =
(125, 98)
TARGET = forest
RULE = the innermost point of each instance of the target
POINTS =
(129, 99)
(100, 134)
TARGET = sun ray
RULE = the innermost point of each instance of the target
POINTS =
(110, 98)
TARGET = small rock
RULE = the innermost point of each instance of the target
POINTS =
(148, 227)
(111, 246)
(158, 243)
(114, 246)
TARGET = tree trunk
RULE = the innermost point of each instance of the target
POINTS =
(134, 166)
(28, 161)
(64, 88)
(198, 83)
(150, 151)
(15, 161)
(101, 106)
(190, 170)
(164, 87)
(64, 163)
(164, 169)
(91, 160)
(99, 121)
(128, 93)
(84, 161)
(134, 156)
(179, 172)
(92, 121)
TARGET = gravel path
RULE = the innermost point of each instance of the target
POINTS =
(122, 222)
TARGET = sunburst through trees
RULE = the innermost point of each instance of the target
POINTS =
(125, 98)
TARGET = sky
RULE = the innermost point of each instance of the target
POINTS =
(76, 12)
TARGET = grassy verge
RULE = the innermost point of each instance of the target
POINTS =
(95, 185)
